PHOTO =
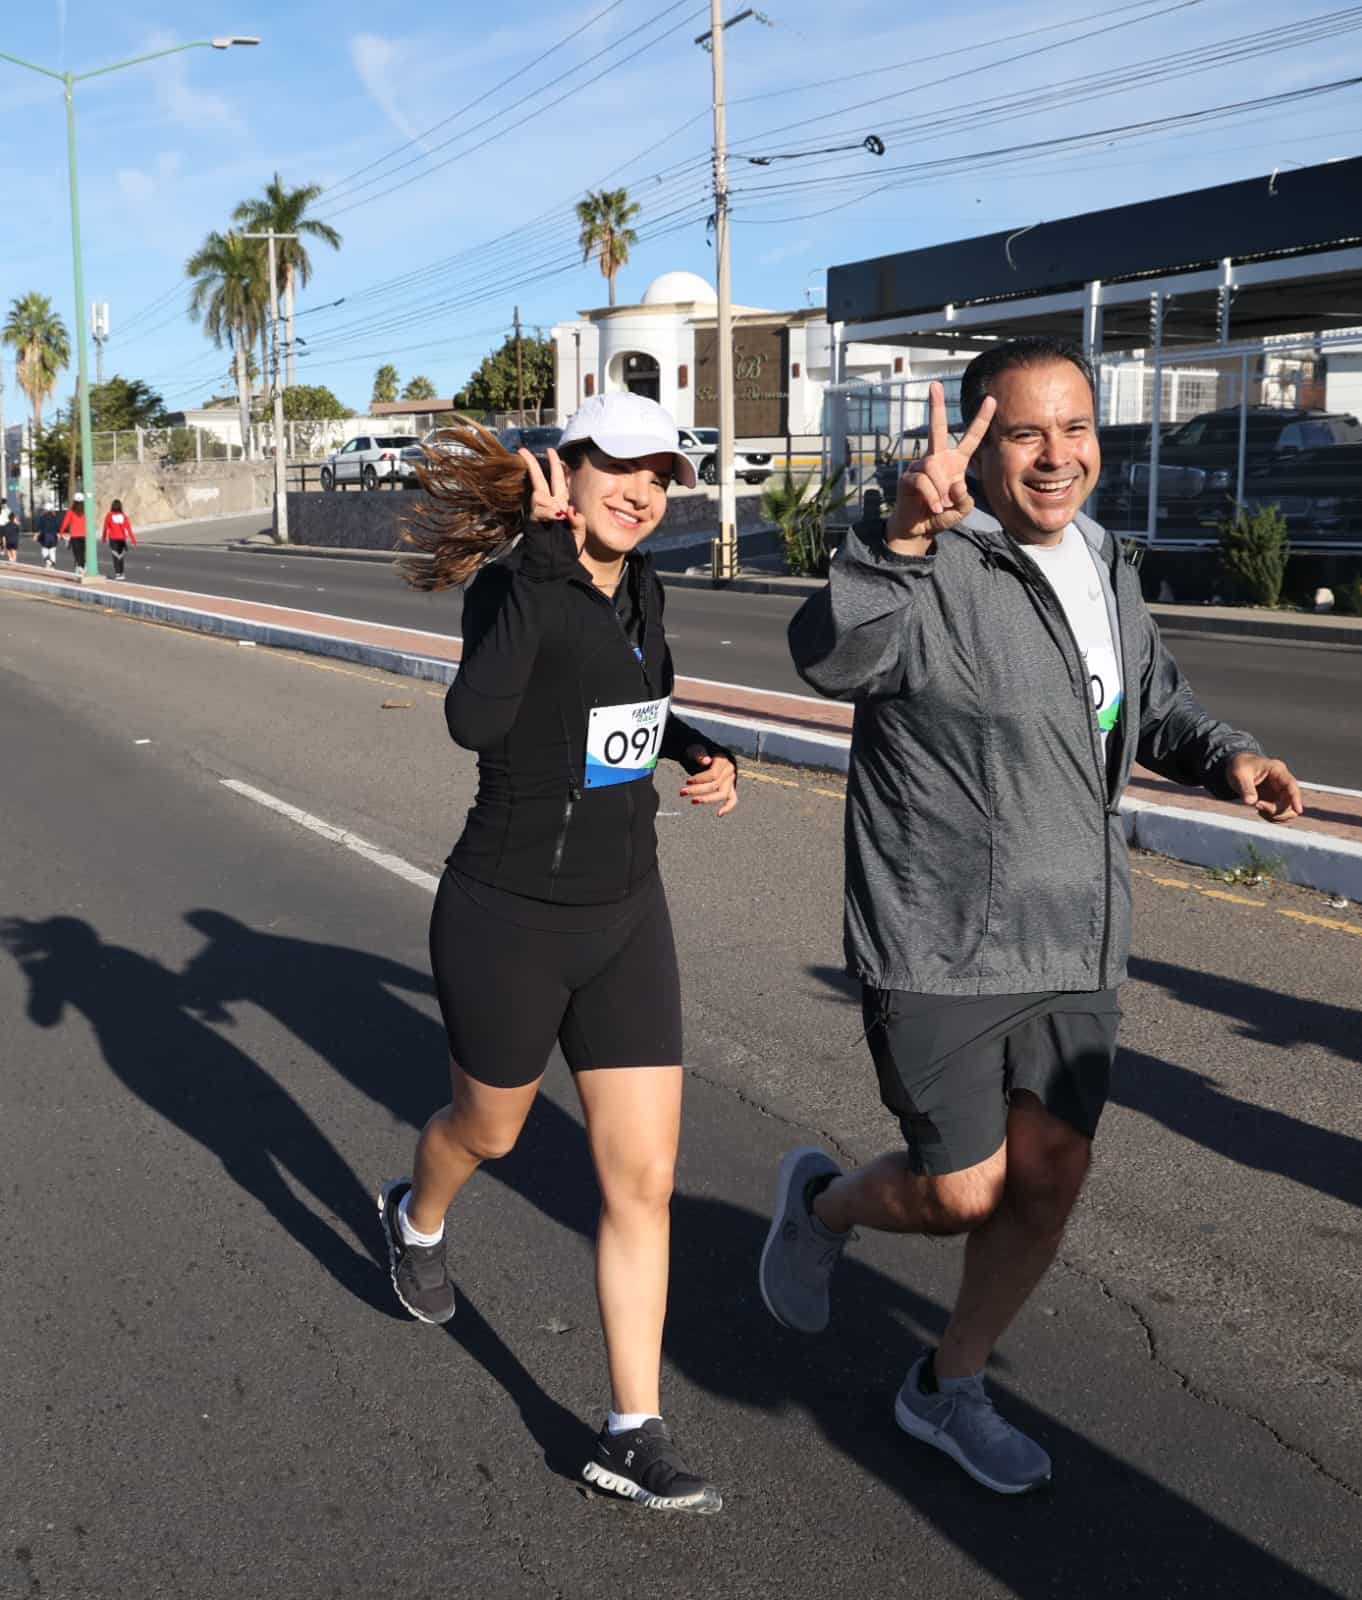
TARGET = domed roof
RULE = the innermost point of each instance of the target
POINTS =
(678, 288)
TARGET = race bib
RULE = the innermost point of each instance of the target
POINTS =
(623, 742)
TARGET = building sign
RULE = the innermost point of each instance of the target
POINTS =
(760, 392)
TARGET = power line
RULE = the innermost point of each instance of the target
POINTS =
(350, 203)
(496, 88)
(496, 133)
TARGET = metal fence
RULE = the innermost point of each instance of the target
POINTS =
(162, 446)
(1240, 426)
(304, 440)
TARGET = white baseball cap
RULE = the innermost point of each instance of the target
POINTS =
(628, 427)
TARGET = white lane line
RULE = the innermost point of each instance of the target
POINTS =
(328, 830)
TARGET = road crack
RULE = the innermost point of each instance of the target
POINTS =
(1186, 1383)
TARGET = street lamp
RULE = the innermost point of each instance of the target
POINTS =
(68, 81)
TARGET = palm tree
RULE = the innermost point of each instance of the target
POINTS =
(227, 270)
(385, 385)
(43, 348)
(604, 217)
(419, 388)
(283, 210)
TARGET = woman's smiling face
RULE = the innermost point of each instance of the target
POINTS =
(621, 501)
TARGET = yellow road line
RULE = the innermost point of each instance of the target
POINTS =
(1321, 922)
(765, 777)
(1234, 899)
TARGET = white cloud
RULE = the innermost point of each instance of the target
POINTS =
(187, 105)
(141, 188)
(385, 69)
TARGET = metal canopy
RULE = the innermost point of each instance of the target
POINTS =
(1288, 245)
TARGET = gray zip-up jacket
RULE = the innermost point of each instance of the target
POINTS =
(984, 847)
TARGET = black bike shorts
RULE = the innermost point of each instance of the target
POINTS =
(948, 1063)
(514, 974)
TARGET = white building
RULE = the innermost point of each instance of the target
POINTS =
(664, 347)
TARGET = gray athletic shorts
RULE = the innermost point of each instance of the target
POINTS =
(948, 1063)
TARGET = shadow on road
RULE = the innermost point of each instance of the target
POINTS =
(201, 1083)
(1107, 1528)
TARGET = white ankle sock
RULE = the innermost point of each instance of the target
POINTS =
(628, 1421)
(411, 1234)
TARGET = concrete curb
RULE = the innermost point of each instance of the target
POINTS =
(1249, 624)
(1208, 840)
(273, 635)
(1198, 837)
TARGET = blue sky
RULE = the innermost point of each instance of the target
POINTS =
(346, 96)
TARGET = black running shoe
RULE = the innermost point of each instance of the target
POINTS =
(418, 1271)
(645, 1467)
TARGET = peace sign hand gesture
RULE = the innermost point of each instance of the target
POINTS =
(932, 493)
(549, 497)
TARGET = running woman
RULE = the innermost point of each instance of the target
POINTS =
(73, 528)
(118, 531)
(551, 922)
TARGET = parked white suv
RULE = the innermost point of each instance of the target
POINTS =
(701, 445)
(369, 460)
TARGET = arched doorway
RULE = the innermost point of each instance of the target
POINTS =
(641, 375)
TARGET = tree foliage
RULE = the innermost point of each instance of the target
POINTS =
(42, 347)
(124, 403)
(283, 210)
(419, 388)
(493, 386)
(603, 220)
(385, 385)
(312, 402)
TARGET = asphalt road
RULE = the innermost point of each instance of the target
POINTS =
(222, 1039)
(1303, 701)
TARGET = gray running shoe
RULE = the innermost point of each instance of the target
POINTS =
(800, 1253)
(962, 1422)
(418, 1271)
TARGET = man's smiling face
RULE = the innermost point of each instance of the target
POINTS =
(1040, 459)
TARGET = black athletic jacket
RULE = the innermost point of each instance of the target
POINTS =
(541, 647)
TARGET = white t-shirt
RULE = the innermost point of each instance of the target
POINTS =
(1070, 568)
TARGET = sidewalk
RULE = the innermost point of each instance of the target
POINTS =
(1323, 850)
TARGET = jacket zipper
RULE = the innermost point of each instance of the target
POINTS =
(1040, 587)
(575, 794)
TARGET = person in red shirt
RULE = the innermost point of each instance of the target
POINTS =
(73, 529)
(118, 531)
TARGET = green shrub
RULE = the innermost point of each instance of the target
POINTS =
(1254, 550)
(800, 512)
(1348, 597)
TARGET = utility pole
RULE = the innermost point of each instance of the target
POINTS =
(99, 332)
(519, 375)
(726, 554)
(280, 454)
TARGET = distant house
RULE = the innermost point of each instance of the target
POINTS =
(410, 408)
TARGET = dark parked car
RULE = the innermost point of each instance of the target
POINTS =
(539, 441)
(1199, 464)
(1319, 492)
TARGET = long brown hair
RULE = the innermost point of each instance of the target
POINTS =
(476, 496)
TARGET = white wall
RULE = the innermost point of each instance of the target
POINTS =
(1343, 386)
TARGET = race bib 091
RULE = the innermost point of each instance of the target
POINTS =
(623, 742)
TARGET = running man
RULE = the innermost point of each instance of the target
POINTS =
(551, 921)
(1007, 675)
